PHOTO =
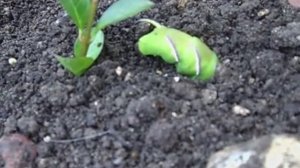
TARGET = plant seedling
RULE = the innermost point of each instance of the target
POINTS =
(90, 40)
(190, 54)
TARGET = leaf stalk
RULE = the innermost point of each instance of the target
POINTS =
(85, 36)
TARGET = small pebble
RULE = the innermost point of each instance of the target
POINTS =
(39, 45)
(133, 120)
(118, 161)
(263, 12)
(60, 72)
(12, 61)
(240, 110)
(6, 10)
(57, 22)
(47, 139)
(119, 71)
(23, 52)
(295, 60)
(251, 80)
(209, 96)
(182, 3)
(159, 72)
(176, 78)
(174, 114)
(127, 77)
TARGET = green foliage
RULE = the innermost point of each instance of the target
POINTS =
(90, 40)
(190, 54)
(78, 10)
(122, 10)
(96, 45)
(77, 65)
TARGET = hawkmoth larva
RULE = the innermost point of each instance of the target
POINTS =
(191, 55)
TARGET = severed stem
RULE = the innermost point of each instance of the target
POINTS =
(154, 23)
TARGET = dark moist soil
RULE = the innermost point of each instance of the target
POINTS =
(156, 121)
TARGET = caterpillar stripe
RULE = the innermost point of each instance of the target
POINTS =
(191, 56)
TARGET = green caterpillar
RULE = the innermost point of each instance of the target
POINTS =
(192, 56)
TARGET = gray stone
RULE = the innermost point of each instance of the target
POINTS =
(186, 107)
(60, 72)
(162, 135)
(287, 35)
(91, 119)
(10, 125)
(144, 108)
(28, 125)
(272, 151)
(44, 149)
(56, 93)
(120, 102)
(89, 132)
(59, 129)
(133, 120)
(185, 90)
(208, 96)
(120, 156)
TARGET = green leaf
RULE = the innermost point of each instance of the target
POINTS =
(78, 10)
(76, 65)
(122, 10)
(96, 45)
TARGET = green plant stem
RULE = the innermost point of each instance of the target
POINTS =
(85, 35)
